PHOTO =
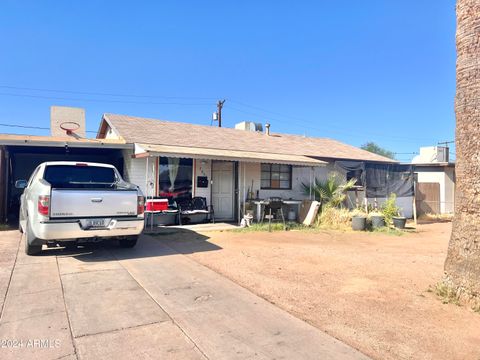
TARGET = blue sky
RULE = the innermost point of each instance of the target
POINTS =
(356, 71)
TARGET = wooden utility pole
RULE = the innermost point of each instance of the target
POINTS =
(219, 111)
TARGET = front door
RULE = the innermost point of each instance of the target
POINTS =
(223, 189)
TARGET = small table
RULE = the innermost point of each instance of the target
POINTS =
(259, 204)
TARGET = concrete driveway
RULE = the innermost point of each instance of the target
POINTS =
(148, 302)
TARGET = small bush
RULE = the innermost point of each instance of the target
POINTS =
(390, 209)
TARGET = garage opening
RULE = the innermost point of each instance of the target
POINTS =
(18, 163)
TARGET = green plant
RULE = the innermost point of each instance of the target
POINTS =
(390, 209)
(330, 192)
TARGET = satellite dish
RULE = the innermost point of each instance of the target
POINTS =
(69, 127)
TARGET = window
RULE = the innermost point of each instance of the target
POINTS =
(175, 177)
(275, 176)
(74, 177)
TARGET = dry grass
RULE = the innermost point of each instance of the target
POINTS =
(276, 226)
(335, 219)
(445, 293)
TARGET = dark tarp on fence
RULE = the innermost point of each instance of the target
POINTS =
(381, 180)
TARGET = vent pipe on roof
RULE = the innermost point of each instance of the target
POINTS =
(267, 129)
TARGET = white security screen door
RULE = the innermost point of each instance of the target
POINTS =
(223, 189)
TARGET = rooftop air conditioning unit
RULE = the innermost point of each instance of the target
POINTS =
(432, 154)
(249, 126)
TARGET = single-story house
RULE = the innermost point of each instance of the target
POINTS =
(224, 165)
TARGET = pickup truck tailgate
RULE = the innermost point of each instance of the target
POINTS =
(65, 203)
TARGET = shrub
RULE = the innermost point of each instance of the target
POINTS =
(330, 192)
(390, 209)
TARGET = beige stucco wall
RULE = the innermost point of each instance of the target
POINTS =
(202, 168)
(251, 173)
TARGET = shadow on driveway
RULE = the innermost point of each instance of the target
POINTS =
(159, 244)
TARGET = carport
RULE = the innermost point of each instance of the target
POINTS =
(21, 154)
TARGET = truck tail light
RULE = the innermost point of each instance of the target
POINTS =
(140, 205)
(43, 204)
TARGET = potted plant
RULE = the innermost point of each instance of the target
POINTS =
(399, 222)
(377, 218)
(392, 212)
(359, 220)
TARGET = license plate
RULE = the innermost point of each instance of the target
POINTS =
(96, 223)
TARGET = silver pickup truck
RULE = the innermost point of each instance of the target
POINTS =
(66, 203)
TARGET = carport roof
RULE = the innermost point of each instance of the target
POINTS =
(231, 155)
(55, 141)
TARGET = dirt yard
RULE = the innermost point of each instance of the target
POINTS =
(368, 290)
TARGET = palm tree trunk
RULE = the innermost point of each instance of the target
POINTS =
(462, 266)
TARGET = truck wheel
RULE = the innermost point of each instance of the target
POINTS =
(129, 242)
(29, 238)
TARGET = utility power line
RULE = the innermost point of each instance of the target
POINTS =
(104, 100)
(106, 93)
(307, 123)
(35, 127)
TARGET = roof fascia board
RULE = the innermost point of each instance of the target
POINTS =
(65, 143)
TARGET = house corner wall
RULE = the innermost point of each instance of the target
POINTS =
(134, 171)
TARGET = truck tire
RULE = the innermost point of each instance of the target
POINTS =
(29, 239)
(129, 242)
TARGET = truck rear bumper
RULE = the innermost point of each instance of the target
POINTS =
(72, 229)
